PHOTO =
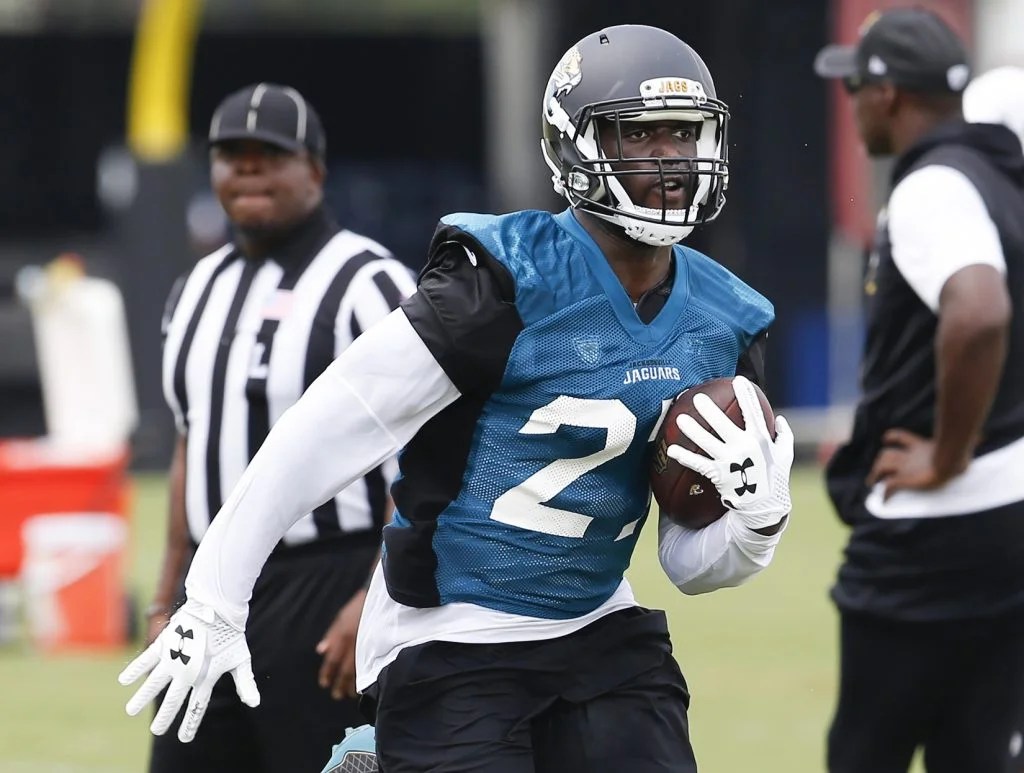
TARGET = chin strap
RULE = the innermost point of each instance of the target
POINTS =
(630, 230)
(648, 233)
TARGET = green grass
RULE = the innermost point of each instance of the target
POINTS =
(760, 661)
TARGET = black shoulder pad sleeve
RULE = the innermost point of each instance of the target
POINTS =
(465, 312)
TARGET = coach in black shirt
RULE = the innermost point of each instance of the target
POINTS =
(931, 590)
(246, 331)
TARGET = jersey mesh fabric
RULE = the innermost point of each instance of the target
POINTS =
(555, 488)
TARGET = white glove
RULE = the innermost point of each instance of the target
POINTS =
(749, 469)
(195, 649)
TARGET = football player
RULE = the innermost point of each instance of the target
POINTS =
(499, 632)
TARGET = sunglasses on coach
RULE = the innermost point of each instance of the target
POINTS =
(854, 83)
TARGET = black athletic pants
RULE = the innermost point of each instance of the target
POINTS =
(609, 697)
(954, 688)
(293, 729)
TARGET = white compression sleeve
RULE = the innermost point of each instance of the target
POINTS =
(722, 555)
(368, 404)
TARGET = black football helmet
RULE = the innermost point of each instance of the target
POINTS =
(634, 73)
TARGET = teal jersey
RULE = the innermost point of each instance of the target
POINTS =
(550, 491)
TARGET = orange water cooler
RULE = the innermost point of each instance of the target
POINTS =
(63, 536)
(64, 497)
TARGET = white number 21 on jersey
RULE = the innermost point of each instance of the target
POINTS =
(523, 505)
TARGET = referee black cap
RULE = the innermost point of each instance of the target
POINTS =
(912, 48)
(270, 113)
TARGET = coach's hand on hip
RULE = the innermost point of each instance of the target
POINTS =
(907, 462)
(197, 647)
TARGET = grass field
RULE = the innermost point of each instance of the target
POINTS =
(760, 661)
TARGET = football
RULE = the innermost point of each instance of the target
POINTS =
(688, 498)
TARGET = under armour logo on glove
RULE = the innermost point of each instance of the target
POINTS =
(179, 654)
(763, 473)
(742, 470)
(215, 647)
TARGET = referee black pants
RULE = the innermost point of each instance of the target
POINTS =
(293, 729)
(954, 688)
(609, 697)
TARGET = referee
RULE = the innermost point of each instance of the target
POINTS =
(246, 331)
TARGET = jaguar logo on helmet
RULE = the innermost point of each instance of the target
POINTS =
(567, 74)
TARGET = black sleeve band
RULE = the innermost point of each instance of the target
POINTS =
(751, 362)
(465, 311)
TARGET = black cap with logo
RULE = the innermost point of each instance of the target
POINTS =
(909, 47)
(279, 115)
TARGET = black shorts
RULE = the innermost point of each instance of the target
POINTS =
(609, 697)
(293, 729)
(955, 689)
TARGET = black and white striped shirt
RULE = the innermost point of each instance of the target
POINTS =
(244, 338)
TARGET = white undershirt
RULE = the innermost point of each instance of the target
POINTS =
(938, 224)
